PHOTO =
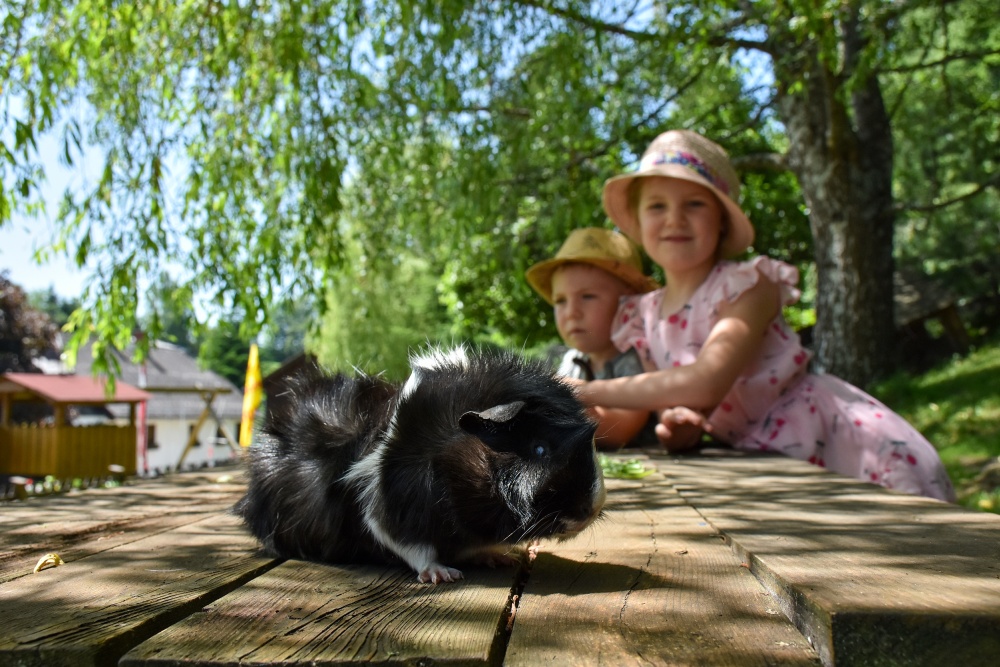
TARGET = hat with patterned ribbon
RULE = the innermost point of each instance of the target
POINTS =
(691, 157)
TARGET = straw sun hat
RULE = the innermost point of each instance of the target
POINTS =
(691, 157)
(598, 247)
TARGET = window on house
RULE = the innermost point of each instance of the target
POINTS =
(197, 443)
(151, 442)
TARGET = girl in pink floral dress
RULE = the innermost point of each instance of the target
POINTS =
(714, 342)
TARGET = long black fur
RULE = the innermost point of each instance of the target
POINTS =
(475, 451)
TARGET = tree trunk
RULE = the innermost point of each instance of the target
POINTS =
(843, 160)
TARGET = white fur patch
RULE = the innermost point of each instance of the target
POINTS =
(364, 475)
(432, 359)
(410, 386)
(436, 358)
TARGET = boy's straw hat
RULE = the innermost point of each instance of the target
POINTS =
(691, 157)
(598, 247)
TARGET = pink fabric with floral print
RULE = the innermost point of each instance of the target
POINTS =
(777, 405)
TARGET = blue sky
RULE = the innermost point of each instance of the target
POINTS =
(18, 241)
(22, 236)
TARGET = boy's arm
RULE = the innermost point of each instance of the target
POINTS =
(616, 427)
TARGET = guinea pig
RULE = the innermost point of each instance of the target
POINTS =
(473, 455)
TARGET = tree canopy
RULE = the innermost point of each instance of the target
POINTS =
(440, 147)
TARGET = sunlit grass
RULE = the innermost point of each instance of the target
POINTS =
(957, 407)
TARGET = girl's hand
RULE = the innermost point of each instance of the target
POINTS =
(681, 428)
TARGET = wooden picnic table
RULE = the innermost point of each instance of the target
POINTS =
(715, 559)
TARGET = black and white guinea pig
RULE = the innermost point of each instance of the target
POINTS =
(474, 454)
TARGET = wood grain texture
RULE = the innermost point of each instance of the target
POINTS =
(89, 612)
(651, 584)
(78, 524)
(181, 493)
(714, 560)
(872, 577)
(341, 615)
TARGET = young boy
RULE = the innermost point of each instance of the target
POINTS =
(593, 269)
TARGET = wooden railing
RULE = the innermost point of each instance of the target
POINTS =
(66, 451)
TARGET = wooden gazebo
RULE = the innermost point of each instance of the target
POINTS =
(60, 448)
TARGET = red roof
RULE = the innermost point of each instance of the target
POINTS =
(70, 388)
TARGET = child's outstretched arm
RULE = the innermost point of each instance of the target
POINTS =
(617, 427)
(733, 344)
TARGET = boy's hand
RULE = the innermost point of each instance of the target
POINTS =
(579, 388)
(681, 428)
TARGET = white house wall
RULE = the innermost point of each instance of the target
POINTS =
(172, 435)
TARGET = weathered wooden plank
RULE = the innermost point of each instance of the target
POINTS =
(185, 492)
(91, 611)
(651, 584)
(75, 545)
(341, 615)
(80, 524)
(872, 577)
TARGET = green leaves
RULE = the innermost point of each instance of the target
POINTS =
(470, 137)
(619, 468)
(423, 153)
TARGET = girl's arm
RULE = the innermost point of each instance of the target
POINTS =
(733, 344)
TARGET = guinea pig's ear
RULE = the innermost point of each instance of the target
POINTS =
(491, 425)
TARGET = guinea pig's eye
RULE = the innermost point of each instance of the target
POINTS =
(540, 449)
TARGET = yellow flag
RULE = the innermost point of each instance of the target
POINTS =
(252, 389)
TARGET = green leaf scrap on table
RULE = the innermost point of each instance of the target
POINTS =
(624, 468)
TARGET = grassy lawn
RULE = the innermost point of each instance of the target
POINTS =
(957, 407)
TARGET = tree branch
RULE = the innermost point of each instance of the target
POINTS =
(751, 122)
(927, 208)
(589, 21)
(721, 36)
(951, 57)
(580, 159)
(16, 49)
(893, 10)
(761, 162)
(514, 112)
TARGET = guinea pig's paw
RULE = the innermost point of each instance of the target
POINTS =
(439, 574)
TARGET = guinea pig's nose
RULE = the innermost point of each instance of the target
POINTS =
(587, 510)
(574, 525)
